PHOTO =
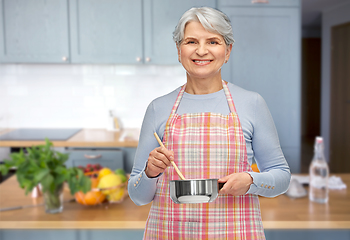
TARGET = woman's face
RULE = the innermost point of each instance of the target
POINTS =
(202, 53)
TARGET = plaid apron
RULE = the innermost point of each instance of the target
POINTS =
(206, 145)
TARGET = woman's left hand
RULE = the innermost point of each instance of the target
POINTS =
(236, 184)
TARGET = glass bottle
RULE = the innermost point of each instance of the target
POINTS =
(319, 173)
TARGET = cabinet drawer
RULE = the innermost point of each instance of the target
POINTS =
(112, 159)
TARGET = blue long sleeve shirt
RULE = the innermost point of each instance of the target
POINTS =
(259, 131)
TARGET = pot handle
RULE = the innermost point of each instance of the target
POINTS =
(221, 184)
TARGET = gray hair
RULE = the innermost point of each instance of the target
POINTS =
(212, 20)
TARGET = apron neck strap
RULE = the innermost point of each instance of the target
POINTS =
(227, 94)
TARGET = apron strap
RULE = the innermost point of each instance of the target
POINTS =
(178, 99)
(227, 94)
(229, 98)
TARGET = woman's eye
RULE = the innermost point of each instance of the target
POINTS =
(213, 42)
(190, 42)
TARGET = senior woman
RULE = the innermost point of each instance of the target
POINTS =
(211, 129)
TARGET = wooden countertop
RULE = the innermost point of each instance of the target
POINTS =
(277, 213)
(85, 138)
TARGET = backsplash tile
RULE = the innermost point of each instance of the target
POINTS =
(56, 96)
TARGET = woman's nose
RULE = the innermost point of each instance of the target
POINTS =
(201, 49)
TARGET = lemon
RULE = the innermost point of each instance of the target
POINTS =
(103, 172)
(116, 195)
(110, 180)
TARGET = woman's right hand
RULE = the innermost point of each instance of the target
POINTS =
(158, 160)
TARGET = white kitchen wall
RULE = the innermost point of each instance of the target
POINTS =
(64, 96)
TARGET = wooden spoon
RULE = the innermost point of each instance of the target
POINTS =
(172, 162)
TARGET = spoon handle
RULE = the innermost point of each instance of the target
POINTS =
(172, 162)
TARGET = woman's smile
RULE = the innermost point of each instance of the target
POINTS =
(201, 62)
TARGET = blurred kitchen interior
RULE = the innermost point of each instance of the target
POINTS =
(83, 93)
(324, 80)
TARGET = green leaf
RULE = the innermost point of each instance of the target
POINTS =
(3, 169)
(59, 179)
(41, 174)
(47, 181)
(80, 172)
(29, 187)
(86, 185)
(72, 182)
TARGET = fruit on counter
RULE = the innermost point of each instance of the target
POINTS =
(116, 196)
(103, 172)
(119, 171)
(122, 174)
(92, 197)
(109, 181)
(113, 185)
(91, 168)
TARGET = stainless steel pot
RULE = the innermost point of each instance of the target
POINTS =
(194, 190)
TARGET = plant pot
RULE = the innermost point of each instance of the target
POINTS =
(54, 200)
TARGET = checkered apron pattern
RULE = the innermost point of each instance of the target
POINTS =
(206, 145)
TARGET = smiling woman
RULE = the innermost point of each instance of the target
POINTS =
(211, 129)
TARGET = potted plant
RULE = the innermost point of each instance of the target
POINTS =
(43, 165)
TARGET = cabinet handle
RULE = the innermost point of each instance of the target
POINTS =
(64, 59)
(148, 59)
(92, 156)
(138, 59)
(260, 1)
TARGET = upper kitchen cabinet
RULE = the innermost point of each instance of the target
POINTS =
(34, 31)
(118, 31)
(108, 31)
(160, 19)
(266, 59)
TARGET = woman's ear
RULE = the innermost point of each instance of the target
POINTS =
(228, 52)
(178, 52)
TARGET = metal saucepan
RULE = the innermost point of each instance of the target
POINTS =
(194, 190)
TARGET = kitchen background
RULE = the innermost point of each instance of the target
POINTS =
(81, 95)
(283, 50)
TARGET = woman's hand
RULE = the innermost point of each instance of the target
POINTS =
(236, 184)
(158, 160)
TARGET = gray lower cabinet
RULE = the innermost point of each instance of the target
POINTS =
(266, 59)
(129, 156)
(34, 31)
(71, 234)
(137, 234)
(111, 158)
